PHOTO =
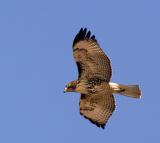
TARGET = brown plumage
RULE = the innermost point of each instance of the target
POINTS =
(97, 102)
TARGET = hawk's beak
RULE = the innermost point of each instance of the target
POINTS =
(65, 90)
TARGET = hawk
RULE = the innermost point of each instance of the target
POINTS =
(97, 102)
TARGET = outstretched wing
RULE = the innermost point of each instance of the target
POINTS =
(91, 60)
(97, 108)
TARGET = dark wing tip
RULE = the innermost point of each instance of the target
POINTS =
(94, 122)
(83, 34)
(98, 124)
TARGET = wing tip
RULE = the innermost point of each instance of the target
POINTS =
(83, 34)
(98, 124)
(95, 122)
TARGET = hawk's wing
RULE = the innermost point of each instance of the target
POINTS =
(90, 59)
(97, 108)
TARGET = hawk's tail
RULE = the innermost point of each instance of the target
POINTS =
(128, 90)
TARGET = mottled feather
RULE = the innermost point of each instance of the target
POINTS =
(90, 59)
(97, 107)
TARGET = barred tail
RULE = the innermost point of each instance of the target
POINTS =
(127, 90)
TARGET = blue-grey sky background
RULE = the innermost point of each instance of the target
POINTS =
(36, 62)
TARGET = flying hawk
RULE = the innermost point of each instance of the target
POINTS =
(97, 102)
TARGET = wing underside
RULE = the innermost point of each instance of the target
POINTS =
(90, 59)
(97, 108)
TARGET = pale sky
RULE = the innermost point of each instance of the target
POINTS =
(36, 62)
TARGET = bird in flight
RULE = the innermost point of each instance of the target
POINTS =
(97, 102)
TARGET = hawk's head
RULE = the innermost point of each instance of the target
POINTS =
(71, 87)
